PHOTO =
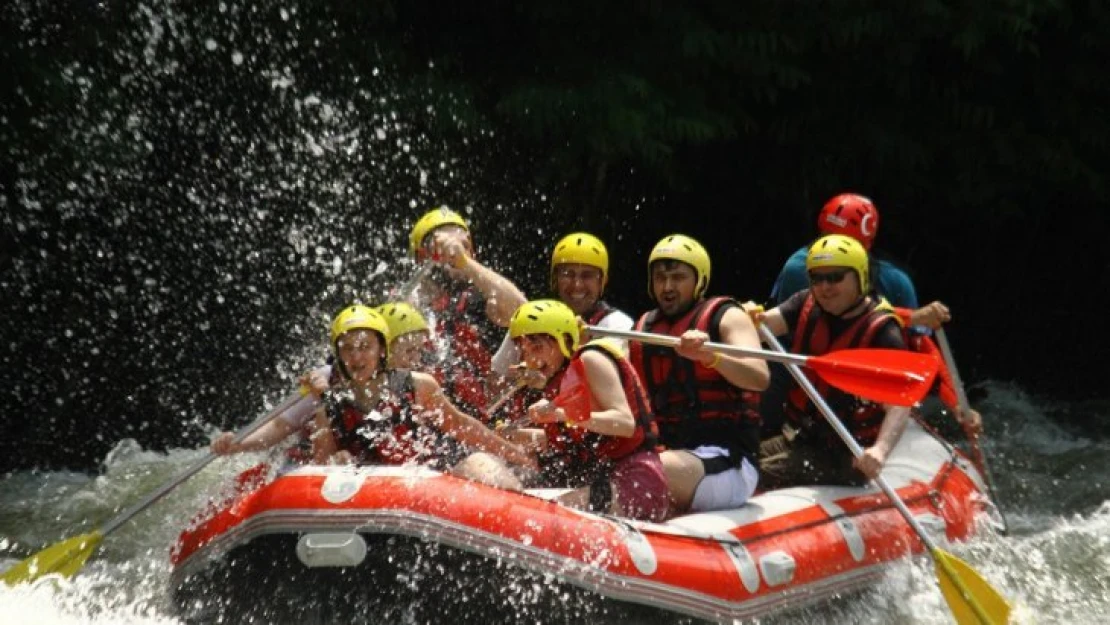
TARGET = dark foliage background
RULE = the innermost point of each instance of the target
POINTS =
(189, 190)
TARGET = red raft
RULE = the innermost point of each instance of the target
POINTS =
(328, 542)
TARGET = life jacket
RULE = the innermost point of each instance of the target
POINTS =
(575, 456)
(811, 337)
(693, 404)
(464, 334)
(944, 387)
(385, 433)
(601, 310)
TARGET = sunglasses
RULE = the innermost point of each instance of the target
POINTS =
(832, 277)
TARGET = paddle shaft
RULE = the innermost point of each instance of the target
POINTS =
(961, 395)
(506, 396)
(162, 491)
(721, 348)
(857, 451)
(950, 362)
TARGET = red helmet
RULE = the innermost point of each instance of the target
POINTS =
(850, 214)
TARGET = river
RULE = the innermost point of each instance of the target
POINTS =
(1054, 564)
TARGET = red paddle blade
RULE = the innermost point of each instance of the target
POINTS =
(889, 376)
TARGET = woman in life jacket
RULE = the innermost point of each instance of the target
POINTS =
(376, 415)
(594, 431)
(838, 311)
(578, 277)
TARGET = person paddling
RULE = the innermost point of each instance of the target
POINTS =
(856, 216)
(596, 433)
(706, 404)
(376, 415)
(839, 311)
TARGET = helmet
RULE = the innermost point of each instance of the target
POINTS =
(359, 317)
(838, 250)
(850, 214)
(583, 249)
(435, 218)
(550, 317)
(684, 249)
(402, 318)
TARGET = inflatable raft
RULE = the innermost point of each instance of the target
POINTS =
(410, 544)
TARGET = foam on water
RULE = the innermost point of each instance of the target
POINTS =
(1055, 565)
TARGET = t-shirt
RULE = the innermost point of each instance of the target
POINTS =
(889, 335)
(890, 281)
(508, 354)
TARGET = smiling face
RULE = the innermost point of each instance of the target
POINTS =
(541, 353)
(578, 286)
(836, 289)
(361, 353)
(673, 284)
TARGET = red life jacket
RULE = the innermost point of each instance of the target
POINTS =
(601, 310)
(693, 404)
(576, 456)
(461, 322)
(385, 433)
(811, 337)
(944, 387)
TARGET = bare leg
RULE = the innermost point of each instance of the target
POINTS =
(684, 472)
(487, 469)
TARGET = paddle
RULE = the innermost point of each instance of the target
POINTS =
(405, 291)
(976, 451)
(889, 376)
(68, 556)
(970, 597)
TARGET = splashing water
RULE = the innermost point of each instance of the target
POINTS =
(1053, 566)
(211, 173)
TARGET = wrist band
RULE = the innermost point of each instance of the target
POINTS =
(716, 361)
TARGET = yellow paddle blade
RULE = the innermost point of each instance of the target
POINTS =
(972, 599)
(65, 558)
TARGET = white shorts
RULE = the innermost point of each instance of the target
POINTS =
(725, 490)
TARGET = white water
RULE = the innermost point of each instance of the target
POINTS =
(1055, 565)
(341, 161)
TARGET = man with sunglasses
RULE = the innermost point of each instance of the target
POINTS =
(856, 216)
(838, 311)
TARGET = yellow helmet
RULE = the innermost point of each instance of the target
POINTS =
(838, 250)
(402, 318)
(359, 317)
(435, 218)
(683, 249)
(550, 317)
(583, 249)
